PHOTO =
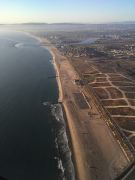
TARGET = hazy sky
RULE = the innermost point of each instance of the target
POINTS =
(85, 11)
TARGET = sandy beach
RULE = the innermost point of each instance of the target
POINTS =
(96, 154)
(78, 155)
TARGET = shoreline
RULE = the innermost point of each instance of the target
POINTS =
(70, 143)
(41, 40)
(77, 155)
(60, 99)
(64, 107)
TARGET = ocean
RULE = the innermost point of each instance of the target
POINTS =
(33, 139)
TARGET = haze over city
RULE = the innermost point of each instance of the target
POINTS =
(77, 11)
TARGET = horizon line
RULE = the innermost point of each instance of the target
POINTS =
(80, 23)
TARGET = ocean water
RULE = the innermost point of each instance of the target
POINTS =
(32, 145)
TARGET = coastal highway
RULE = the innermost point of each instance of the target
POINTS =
(97, 155)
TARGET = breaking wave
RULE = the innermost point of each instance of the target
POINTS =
(64, 159)
(24, 45)
(19, 45)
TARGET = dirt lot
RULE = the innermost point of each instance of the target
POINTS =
(123, 83)
(102, 94)
(101, 79)
(128, 125)
(79, 66)
(116, 91)
(104, 84)
(80, 101)
(127, 89)
(98, 75)
(127, 111)
(119, 78)
(130, 95)
(132, 102)
(116, 102)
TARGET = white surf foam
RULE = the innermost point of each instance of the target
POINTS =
(65, 163)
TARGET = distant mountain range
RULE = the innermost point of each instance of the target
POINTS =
(71, 24)
(124, 22)
(127, 25)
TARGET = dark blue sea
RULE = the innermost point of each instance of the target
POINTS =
(33, 140)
